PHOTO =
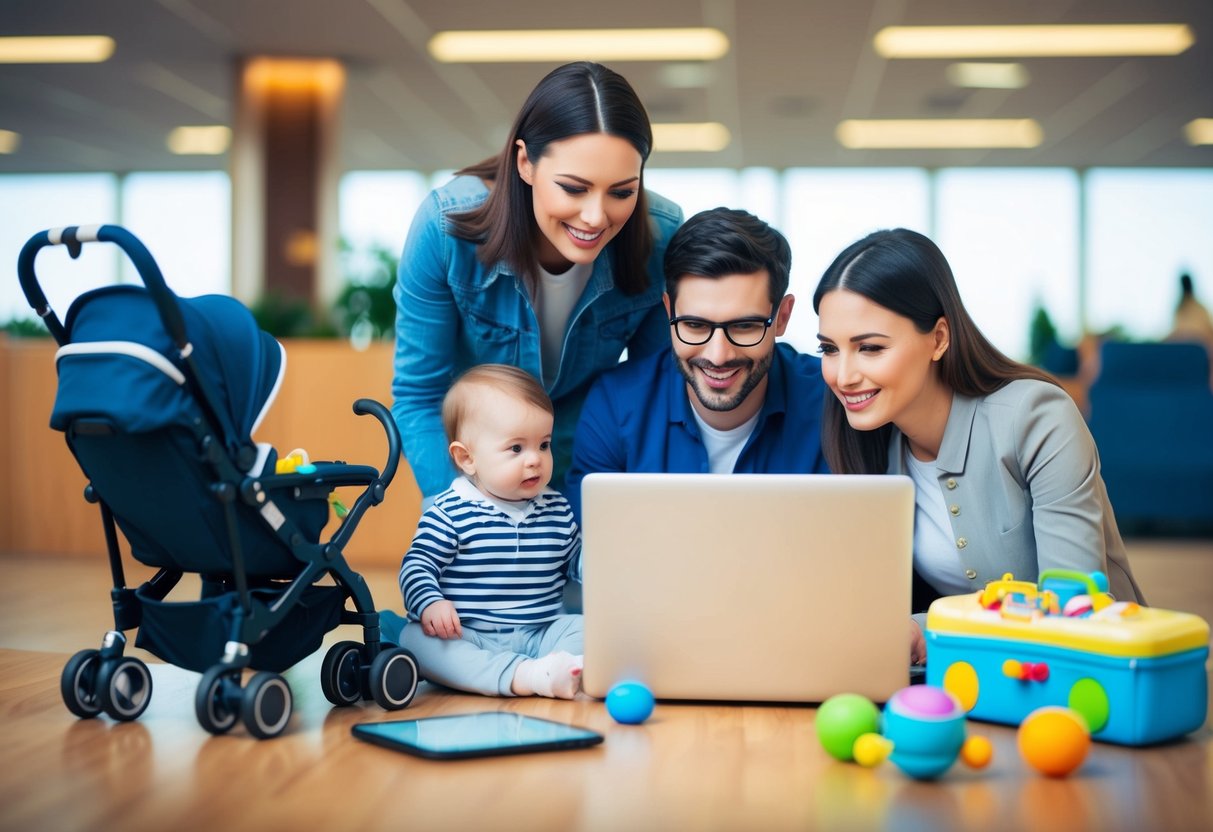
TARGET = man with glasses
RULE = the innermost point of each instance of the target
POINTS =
(726, 398)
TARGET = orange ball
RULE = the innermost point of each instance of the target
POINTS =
(977, 752)
(1054, 740)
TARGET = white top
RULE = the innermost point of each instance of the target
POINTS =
(556, 296)
(724, 446)
(935, 556)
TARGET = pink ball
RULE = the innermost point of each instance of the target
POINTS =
(924, 700)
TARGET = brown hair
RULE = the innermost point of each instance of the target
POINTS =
(459, 403)
(906, 273)
(572, 100)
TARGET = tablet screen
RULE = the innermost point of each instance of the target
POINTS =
(473, 735)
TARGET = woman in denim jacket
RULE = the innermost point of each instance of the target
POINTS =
(502, 265)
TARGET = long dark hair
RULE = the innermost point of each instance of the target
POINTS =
(571, 100)
(906, 273)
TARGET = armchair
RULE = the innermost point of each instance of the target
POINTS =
(1151, 414)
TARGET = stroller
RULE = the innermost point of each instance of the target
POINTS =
(158, 397)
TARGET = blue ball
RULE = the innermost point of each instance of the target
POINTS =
(630, 703)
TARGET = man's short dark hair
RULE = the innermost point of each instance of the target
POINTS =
(725, 241)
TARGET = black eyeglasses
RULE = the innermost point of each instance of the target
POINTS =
(741, 332)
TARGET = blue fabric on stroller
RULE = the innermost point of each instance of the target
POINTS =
(158, 398)
(148, 468)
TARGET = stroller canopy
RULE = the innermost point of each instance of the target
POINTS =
(119, 365)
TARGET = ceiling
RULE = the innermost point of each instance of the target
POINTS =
(794, 70)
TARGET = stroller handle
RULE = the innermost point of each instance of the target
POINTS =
(74, 237)
(364, 407)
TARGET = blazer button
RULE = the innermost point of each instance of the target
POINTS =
(954, 509)
(970, 574)
(951, 484)
(961, 542)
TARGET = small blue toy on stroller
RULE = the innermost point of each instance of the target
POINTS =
(158, 397)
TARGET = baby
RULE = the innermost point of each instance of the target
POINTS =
(486, 568)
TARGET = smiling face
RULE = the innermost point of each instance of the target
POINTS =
(584, 190)
(505, 448)
(727, 383)
(882, 369)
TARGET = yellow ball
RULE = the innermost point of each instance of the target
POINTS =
(977, 752)
(1054, 740)
(871, 750)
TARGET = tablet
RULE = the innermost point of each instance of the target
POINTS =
(485, 734)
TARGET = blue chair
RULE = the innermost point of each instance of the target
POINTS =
(1151, 414)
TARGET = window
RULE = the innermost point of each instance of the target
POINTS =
(698, 189)
(825, 210)
(33, 203)
(376, 208)
(1145, 227)
(1011, 237)
(184, 220)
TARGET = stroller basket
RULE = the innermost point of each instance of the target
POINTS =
(158, 399)
(209, 624)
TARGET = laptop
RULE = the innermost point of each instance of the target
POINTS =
(747, 587)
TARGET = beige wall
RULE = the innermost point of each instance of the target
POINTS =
(43, 512)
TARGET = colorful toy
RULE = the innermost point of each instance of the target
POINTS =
(297, 462)
(1135, 674)
(842, 720)
(923, 732)
(630, 703)
(925, 728)
(290, 463)
(1054, 740)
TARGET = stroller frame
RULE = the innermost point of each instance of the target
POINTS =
(104, 680)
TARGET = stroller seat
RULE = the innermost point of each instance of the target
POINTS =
(158, 398)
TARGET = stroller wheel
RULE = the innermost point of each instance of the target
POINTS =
(78, 684)
(266, 705)
(217, 700)
(124, 688)
(340, 673)
(393, 678)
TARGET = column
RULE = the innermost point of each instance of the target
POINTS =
(284, 180)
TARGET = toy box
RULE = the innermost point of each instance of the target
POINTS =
(1137, 674)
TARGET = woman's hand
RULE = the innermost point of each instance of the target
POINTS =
(918, 644)
(440, 619)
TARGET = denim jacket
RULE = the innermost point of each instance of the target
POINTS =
(453, 312)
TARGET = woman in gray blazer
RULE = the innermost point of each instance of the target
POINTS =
(1006, 473)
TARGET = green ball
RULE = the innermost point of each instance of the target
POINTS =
(842, 719)
(1090, 700)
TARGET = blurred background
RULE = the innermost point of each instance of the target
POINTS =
(1073, 207)
(1059, 151)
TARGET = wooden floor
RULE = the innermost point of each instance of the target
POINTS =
(691, 766)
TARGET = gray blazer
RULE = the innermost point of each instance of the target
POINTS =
(1020, 476)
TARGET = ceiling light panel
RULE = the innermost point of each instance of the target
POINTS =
(952, 134)
(543, 45)
(1199, 131)
(204, 140)
(1033, 41)
(692, 137)
(76, 49)
(990, 76)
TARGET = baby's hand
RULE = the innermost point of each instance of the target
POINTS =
(918, 644)
(441, 619)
